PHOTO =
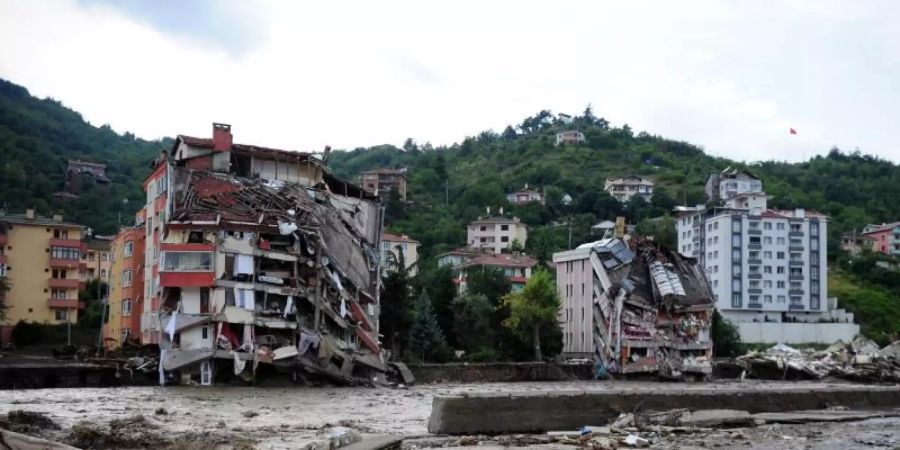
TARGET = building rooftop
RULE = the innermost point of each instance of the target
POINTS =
(501, 260)
(268, 152)
(387, 171)
(398, 238)
(874, 228)
(22, 219)
(495, 219)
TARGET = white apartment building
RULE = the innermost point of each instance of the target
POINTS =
(496, 233)
(393, 245)
(764, 265)
(730, 183)
(623, 189)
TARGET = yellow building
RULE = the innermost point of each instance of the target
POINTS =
(97, 258)
(41, 260)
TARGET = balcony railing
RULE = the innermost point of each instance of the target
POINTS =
(795, 291)
(754, 261)
(795, 233)
(64, 303)
(65, 263)
(754, 232)
(795, 248)
(795, 277)
(71, 243)
(63, 283)
(754, 276)
(754, 305)
(795, 263)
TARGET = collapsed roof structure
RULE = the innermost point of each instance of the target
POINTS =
(267, 262)
(651, 308)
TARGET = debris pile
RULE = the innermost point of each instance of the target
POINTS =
(652, 311)
(860, 360)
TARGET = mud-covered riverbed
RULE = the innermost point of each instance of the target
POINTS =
(282, 418)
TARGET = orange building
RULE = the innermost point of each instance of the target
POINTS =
(126, 287)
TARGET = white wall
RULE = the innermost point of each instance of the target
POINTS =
(797, 333)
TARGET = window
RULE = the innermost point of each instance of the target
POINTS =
(483, 228)
(126, 307)
(767, 240)
(814, 273)
(61, 314)
(715, 283)
(754, 269)
(736, 255)
(386, 246)
(814, 244)
(779, 226)
(780, 241)
(735, 240)
(59, 273)
(504, 238)
(58, 294)
(204, 333)
(814, 288)
(102, 273)
(129, 248)
(814, 228)
(780, 255)
(796, 285)
(716, 225)
(187, 261)
(796, 241)
(754, 225)
(125, 333)
(780, 284)
(781, 269)
(755, 240)
(796, 271)
(781, 299)
(754, 255)
(796, 257)
(504, 227)
(716, 254)
(796, 227)
(483, 239)
(61, 234)
(64, 253)
(767, 255)
(754, 299)
(767, 298)
(767, 225)
(736, 225)
(796, 301)
(104, 256)
(767, 284)
(754, 284)
(735, 285)
(736, 270)
(126, 278)
(736, 300)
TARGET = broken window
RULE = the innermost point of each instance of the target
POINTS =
(187, 261)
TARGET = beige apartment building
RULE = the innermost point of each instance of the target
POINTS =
(97, 259)
(623, 189)
(40, 259)
(393, 245)
(496, 233)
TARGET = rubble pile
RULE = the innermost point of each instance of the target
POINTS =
(860, 360)
(652, 311)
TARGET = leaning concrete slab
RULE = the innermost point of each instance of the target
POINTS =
(560, 410)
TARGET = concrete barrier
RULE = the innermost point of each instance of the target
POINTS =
(499, 372)
(498, 413)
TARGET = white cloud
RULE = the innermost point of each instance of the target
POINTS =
(732, 77)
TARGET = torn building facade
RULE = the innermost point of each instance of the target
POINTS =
(635, 309)
(259, 259)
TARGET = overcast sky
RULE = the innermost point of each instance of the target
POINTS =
(733, 77)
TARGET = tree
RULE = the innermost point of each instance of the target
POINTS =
(442, 291)
(394, 317)
(516, 246)
(488, 281)
(533, 308)
(409, 145)
(662, 229)
(395, 208)
(426, 340)
(472, 321)
(509, 133)
(726, 339)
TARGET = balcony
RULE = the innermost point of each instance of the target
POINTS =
(754, 261)
(754, 290)
(795, 277)
(754, 276)
(795, 248)
(754, 232)
(64, 303)
(754, 305)
(795, 291)
(796, 263)
(63, 283)
(70, 243)
(65, 263)
(754, 246)
(796, 306)
(795, 233)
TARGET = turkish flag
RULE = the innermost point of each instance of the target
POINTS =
(793, 131)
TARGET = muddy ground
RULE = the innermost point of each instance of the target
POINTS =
(283, 418)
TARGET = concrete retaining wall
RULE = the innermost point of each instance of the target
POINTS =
(499, 372)
(797, 333)
(569, 410)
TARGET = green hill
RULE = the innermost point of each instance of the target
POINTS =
(37, 137)
(448, 186)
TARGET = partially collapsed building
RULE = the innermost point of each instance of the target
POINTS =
(258, 259)
(638, 308)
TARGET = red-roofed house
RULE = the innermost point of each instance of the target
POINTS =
(885, 238)
(516, 266)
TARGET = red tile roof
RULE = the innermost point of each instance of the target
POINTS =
(502, 260)
(397, 238)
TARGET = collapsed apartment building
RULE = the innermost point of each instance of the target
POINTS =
(259, 260)
(635, 308)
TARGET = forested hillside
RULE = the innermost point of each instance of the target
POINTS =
(451, 186)
(37, 137)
